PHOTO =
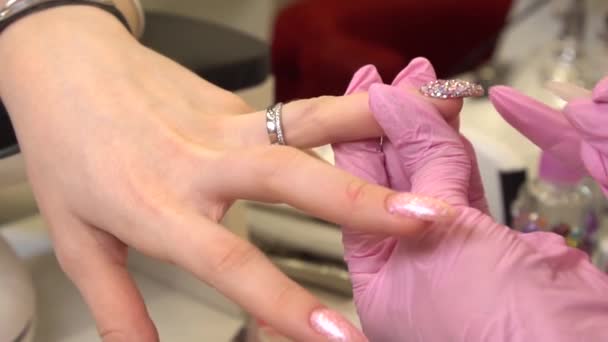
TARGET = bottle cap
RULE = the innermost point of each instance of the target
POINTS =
(555, 171)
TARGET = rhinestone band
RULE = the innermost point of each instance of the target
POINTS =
(274, 126)
(450, 89)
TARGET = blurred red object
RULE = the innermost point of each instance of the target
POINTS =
(318, 44)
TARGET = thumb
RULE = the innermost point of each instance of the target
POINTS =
(96, 262)
(590, 120)
(600, 93)
(419, 72)
(544, 126)
(364, 159)
(431, 153)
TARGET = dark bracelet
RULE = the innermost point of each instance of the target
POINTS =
(23, 8)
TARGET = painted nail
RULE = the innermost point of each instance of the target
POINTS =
(567, 91)
(451, 89)
(424, 208)
(334, 327)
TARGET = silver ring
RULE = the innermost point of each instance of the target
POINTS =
(274, 126)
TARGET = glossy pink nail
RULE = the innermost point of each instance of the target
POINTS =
(451, 89)
(424, 208)
(334, 327)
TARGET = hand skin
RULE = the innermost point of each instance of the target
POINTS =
(129, 10)
(125, 148)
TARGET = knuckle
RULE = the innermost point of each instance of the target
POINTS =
(318, 115)
(313, 105)
(68, 262)
(69, 257)
(356, 192)
(320, 103)
(288, 156)
(122, 335)
(314, 111)
(113, 335)
(282, 161)
(232, 257)
(285, 295)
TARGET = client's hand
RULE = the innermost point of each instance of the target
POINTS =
(577, 135)
(465, 278)
(125, 148)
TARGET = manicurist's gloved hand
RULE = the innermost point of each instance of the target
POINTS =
(465, 277)
(578, 134)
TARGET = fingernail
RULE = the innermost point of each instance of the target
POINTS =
(334, 327)
(451, 89)
(567, 91)
(424, 208)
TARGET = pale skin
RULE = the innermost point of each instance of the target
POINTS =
(125, 148)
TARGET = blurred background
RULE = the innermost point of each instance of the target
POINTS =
(279, 50)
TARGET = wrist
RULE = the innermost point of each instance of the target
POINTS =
(134, 14)
(68, 46)
(58, 24)
(58, 32)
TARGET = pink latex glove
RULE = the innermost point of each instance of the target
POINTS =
(577, 135)
(465, 279)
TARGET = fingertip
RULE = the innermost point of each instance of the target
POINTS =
(418, 72)
(363, 79)
(600, 92)
(387, 103)
(449, 109)
(377, 93)
(421, 61)
(515, 106)
(402, 114)
(587, 116)
(378, 87)
(137, 333)
(500, 89)
(497, 94)
(399, 225)
(385, 100)
(408, 226)
(545, 126)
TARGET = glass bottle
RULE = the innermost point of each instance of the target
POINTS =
(559, 201)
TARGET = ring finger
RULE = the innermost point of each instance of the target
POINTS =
(324, 120)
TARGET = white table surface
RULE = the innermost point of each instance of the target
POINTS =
(183, 309)
(63, 316)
